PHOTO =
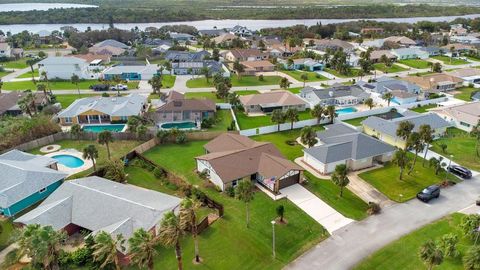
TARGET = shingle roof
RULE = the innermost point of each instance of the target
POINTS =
(111, 43)
(8, 101)
(337, 92)
(467, 113)
(272, 98)
(186, 55)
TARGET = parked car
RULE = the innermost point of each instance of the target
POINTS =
(99, 87)
(119, 87)
(460, 171)
(429, 193)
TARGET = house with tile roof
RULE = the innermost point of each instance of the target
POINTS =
(26, 179)
(463, 116)
(337, 95)
(231, 158)
(269, 101)
(245, 55)
(440, 82)
(340, 144)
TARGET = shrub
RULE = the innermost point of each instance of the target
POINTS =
(261, 78)
(230, 191)
(232, 126)
(81, 256)
(64, 259)
(203, 174)
(158, 173)
(200, 195)
(115, 171)
(291, 142)
(105, 94)
(181, 138)
(373, 208)
(317, 76)
(171, 186)
(207, 123)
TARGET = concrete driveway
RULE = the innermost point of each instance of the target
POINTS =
(328, 217)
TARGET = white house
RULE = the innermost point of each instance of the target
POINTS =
(5, 50)
(64, 67)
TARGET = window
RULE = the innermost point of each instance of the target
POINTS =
(42, 190)
(464, 124)
(124, 118)
(234, 183)
(68, 120)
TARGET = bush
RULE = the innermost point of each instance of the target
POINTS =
(115, 171)
(105, 94)
(261, 78)
(81, 256)
(64, 259)
(203, 174)
(200, 195)
(158, 173)
(207, 123)
(317, 76)
(181, 138)
(291, 142)
(232, 126)
(230, 191)
(373, 208)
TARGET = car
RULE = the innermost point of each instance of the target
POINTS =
(119, 87)
(460, 171)
(99, 87)
(429, 193)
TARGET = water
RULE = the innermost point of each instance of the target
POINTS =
(346, 110)
(179, 125)
(40, 6)
(69, 161)
(210, 24)
(100, 128)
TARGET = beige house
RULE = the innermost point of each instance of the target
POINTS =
(464, 116)
(441, 82)
(179, 109)
(269, 101)
(245, 55)
(252, 67)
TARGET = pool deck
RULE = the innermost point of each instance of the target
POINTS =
(87, 164)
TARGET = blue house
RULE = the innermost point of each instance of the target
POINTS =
(304, 64)
(26, 179)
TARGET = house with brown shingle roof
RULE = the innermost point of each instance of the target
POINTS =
(252, 67)
(440, 82)
(9, 102)
(245, 55)
(269, 101)
(464, 116)
(230, 158)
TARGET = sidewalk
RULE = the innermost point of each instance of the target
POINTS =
(431, 154)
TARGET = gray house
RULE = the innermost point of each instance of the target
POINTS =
(186, 56)
(338, 94)
(388, 84)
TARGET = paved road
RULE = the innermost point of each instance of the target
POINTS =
(349, 245)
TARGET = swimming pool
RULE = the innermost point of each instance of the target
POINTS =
(100, 128)
(179, 125)
(69, 161)
(346, 110)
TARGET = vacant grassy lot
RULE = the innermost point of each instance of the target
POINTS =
(461, 145)
(312, 76)
(201, 82)
(391, 69)
(353, 73)
(415, 63)
(450, 61)
(465, 93)
(423, 109)
(60, 85)
(248, 122)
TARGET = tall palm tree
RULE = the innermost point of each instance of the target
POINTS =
(105, 249)
(308, 136)
(339, 177)
(426, 135)
(415, 142)
(318, 113)
(91, 152)
(188, 220)
(105, 138)
(31, 62)
(404, 130)
(369, 103)
(476, 133)
(27, 104)
(245, 193)
(170, 235)
(278, 117)
(292, 115)
(143, 248)
(402, 160)
(331, 113)
(234, 99)
(388, 98)
(431, 254)
(304, 78)
(43, 88)
(75, 80)
(45, 77)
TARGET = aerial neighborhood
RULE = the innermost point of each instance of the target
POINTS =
(241, 147)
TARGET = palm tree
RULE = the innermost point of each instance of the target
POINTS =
(404, 130)
(170, 235)
(317, 113)
(188, 220)
(105, 249)
(415, 142)
(245, 193)
(75, 80)
(452, 50)
(436, 164)
(91, 152)
(278, 117)
(45, 77)
(402, 160)
(308, 136)
(426, 135)
(27, 104)
(304, 78)
(331, 113)
(206, 72)
(43, 88)
(234, 99)
(105, 138)
(369, 103)
(388, 98)
(239, 69)
(292, 115)
(430, 254)
(143, 248)
(141, 131)
(339, 177)
(31, 62)
(476, 133)
(76, 130)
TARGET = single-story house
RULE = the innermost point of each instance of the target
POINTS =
(270, 101)
(340, 144)
(386, 130)
(440, 82)
(64, 67)
(141, 72)
(241, 31)
(9, 102)
(112, 43)
(96, 204)
(224, 39)
(432, 50)
(211, 32)
(332, 44)
(338, 95)
(403, 97)
(376, 55)
(410, 53)
(252, 67)
(387, 84)
(468, 75)
(464, 116)
(103, 110)
(195, 67)
(230, 158)
(245, 55)
(107, 50)
(186, 56)
(181, 36)
(160, 49)
(179, 109)
(279, 50)
(303, 63)
(400, 40)
(465, 40)
(26, 179)
(458, 48)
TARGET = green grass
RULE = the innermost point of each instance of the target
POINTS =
(17, 64)
(6, 233)
(424, 108)
(201, 82)
(213, 95)
(461, 145)
(61, 85)
(355, 121)
(66, 100)
(450, 61)
(223, 119)
(29, 74)
(403, 253)
(312, 76)
(4, 73)
(386, 180)
(465, 93)
(295, 90)
(415, 63)
(248, 122)
(353, 73)
(248, 248)
(473, 58)
(168, 81)
(391, 69)
(144, 178)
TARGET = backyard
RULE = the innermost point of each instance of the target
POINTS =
(59, 85)
(312, 76)
(450, 61)
(465, 93)
(223, 119)
(461, 145)
(391, 69)
(415, 63)
(392, 114)
(424, 108)
(355, 121)
(201, 82)
(248, 122)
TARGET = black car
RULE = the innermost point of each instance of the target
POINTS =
(429, 193)
(460, 171)
(100, 87)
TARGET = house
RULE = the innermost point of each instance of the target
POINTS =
(401, 97)
(410, 53)
(224, 39)
(95, 204)
(303, 64)
(375, 44)
(330, 44)
(5, 50)
(64, 67)
(103, 110)
(269, 101)
(252, 67)
(400, 40)
(340, 144)
(432, 50)
(211, 32)
(468, 75)
(195, 67)
(160, 49)
(127, 72)
(463, 116)
(183, 37)
(387, 84)
(155, 42)
(230, 158)
(9, 102)
(111, 43)
(386, 130)
(179, 109)
(241, 31)
(338, 95)
(376, 55)
(438, 82)
(455, 49)
(279, 50)
(186, 56)
(245, 55)
(26, 179)
(465, 40)
(457, 30)
(107, 50)
(372, 30)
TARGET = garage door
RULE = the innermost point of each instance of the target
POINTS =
(291, 180)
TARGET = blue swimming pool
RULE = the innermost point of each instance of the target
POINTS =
(100, 128)
(178, 125)
(346, 110)
(69, 161)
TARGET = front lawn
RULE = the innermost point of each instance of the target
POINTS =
(415, 63)
(312, 76)
(16, 64)
(403, 253)
(391, 69)
(59, 85)
(248, 122)
(465, 93)
(352, 73)
(424, 108)
(4, 73)
(450, 61)
(295, 90)
(168, 81)
(66, 100)
(461, 145)
(29, 74)
(201, 82)
(228, 244)
(386, 180)
(213, 95)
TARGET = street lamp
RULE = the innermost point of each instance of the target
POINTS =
(273, 238)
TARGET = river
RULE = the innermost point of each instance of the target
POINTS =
(210, 24)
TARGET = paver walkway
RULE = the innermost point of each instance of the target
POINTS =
(328, 217)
